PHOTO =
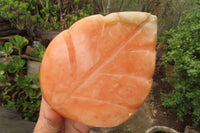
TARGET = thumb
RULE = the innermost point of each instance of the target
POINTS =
(49, 121)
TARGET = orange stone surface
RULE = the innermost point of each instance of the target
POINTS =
(99, 71)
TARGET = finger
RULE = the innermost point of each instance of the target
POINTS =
(49, 121)
(75, 127)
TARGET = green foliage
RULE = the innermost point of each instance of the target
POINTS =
(183, 50)
(30, 15)
(49, 15)
(18, 89)
(20, 14)
(36, 15)
(15, 65)
(18, 42)
(38, 51)
(2, 75)
(21, 91)
(81, 13)
(6, 50)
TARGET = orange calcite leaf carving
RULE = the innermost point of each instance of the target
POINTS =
(99, 71)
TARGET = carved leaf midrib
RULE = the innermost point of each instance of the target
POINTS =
(98, 66)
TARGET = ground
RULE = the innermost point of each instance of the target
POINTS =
(163, 116)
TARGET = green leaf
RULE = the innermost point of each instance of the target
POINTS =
(2, 66)
(34, 86)
(37, 76)
(18, 41)
(7, 49)
(22, 17)
(1, 48)
(11, 104)
(30, 93)
(38, 52)
(39, 94)
(77, 1)
(16, 64)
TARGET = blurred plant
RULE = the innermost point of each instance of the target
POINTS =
(30, 15)
(21, 14)
(7, 49)
(49, 15)
(15, 65)
(81, 13)
(18, 89)
(183, 50)
(18, 42)
(38, 51)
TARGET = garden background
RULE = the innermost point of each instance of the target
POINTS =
(27, 27)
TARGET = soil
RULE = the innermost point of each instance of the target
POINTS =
(163, 116)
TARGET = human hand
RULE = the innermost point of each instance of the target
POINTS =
(50, 121)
